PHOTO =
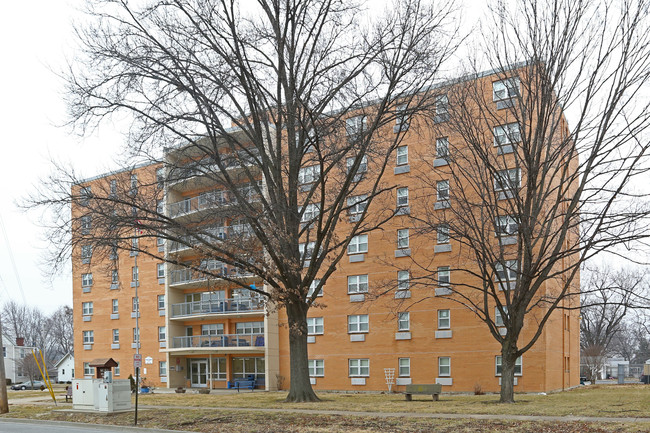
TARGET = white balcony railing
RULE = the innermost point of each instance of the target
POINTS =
(220, 306)
(229, 340)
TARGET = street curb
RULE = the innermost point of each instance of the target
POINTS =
(87, 426)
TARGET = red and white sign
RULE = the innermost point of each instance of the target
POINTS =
(137, 360)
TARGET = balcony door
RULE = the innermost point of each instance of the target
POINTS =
(199, 373)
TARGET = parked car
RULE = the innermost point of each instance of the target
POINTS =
(645, 378)
(28, 385)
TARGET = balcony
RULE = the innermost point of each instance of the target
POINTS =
(205, 172)
(247, 343)
(194, 204)
(219, 307)
(180, 277)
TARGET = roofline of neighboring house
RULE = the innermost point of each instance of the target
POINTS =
(56, 365)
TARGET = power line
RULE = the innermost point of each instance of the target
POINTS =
(13, 262)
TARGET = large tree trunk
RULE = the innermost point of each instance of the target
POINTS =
(508, 360)
(300, 389)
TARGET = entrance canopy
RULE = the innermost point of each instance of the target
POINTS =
(101, 365)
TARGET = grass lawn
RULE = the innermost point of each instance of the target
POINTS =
(596, 400)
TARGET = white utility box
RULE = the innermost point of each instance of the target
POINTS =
(83, 395)
(100, 395)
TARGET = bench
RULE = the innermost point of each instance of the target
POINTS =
(68, 393)
(433, 390)
(250, 384)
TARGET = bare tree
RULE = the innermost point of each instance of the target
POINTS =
(61, 332)
(288, 111)
(29, 368)
(531, 195)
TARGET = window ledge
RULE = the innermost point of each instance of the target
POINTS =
(403, 335)
(115, 346)
(508, 240)
(404, 210)
(443, 291)
(503, 331)
(440, 162)
(134, 314)
(354, 218)
(357, 381)
(358, 297)
(446, 381)
(514, 383)
(162, 344)
(311, 339)
(442, 204)
(442, 248)
(134, 284)
(161, 312)
(312, 380)
(85, 290)
(444, 333)
(354, 258)
(87, 318)
(115, 316)
(403, 252)
(439, 118)
(88, 346)
(402, 294)
(401, 169)
(403, 381)
(357, 337)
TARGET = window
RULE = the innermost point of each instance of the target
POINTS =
(249, 328)
(161, 302)
(162, 333)
(115, 307)
(135, 244)
(136, 335)
(113, 188)
(444, 277)
(210, 329)
(115, 278)
(86, 280)
(507, 179)
(88, 370)
(358, 367)
(442, 147)
(316, 367)
(358, 323)
(88, 337)
(402, 197)
(160, 177)
(442, 105)
(363, 166)
(444, 319)
(86, 224)
(116, 370)
(403, 321)
(444, 366)
(442, 190)
(243, 367)
(315, 326)
(85, 195)
(507, 134)
(219, 368)
(358, 244)
(134, 184)
(116, 336)
(404, 367)
(518, 366)
(160, 206)
(357, 284)
(161, 270)
(402, 155)
(505, 89)
(403, 238)
(308, 251)
(86, 308)
(135, 302)
(314, 284)
(403, 280)
(506, 226)
(355, 125)
(308, 175)
(160, 242)
(162, 368)
(113, 255)
(509, 273)
(442, 233)
(86, 252)
(357, 204)
(311, 212)
(401, 117)
(134, 273)
(498, 318)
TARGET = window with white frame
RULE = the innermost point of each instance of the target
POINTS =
(306, 250)
(404, 369)
(113, 188)
(357, 284)
(358, 244)
(114, 306)
(444, 366)
(310, 213)
(115, 277)
(506, 225)
(161, 302)
(498, 366)
(355, 125)
(314, 284)
(498, 317)
(88, 370)
(442, 190)
(86, 224)
(86, 252)
(135, 304)
(219, 368)
(88, 337)
(134, 184)
(402, 155)
(402, 197)
(363, 165)
(86, 308)
(442, 233)
(136, 335)
(85, 194)
(308, 175)
(315, 326)
(507, 272)
(403, 280)
(160, 267)
(507, 134)
(160, 242)
(86, 280)
(401, 116)
(442, 105)
(442, 147)
(316, 367)
(444, 276)
(116, 370)
(162, 368)
(116, 336)
(358, 323)
(505, 89)
(249, 328)
(160, 177)
(357, 204)
(134, 273)
(403, 238)
(444, 319)
(505, 180)
(209, 329)
(358, 367)
(403, 321)
(162, 333)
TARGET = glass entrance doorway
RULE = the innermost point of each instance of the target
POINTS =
(199, 373)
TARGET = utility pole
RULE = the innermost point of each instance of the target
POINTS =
(4, 402)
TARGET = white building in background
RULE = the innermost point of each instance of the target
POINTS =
(65, 368)
(13, 354)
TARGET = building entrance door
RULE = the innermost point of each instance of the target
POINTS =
(199, 373)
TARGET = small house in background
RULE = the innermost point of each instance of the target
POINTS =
(65, 368)
(13, 355)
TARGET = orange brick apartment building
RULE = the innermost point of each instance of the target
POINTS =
(198, 333)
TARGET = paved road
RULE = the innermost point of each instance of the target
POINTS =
(32, 426)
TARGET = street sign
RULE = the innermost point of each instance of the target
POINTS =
(137, 360)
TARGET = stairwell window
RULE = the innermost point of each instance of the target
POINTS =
(404, 367)
(507, 272)
(402, 197)
(162, 333)
(403, 321)
(115, 306)
(116, 336)
(86, 253)
(403, 238)
(444, 319)
(444, 366)
(442, 233)
(442, 147)
(402, 155)
(442, 190)
(444, 276)
(403, 280)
